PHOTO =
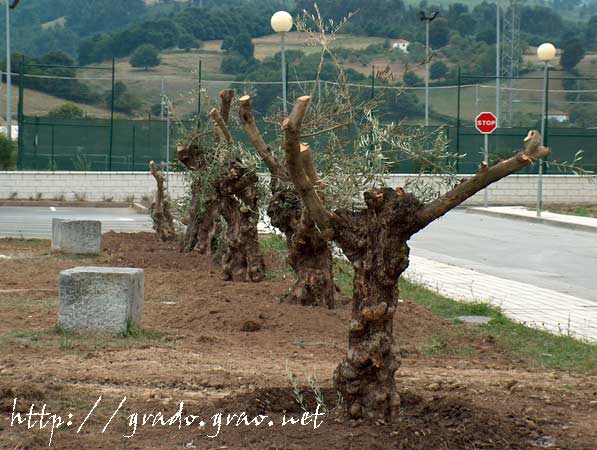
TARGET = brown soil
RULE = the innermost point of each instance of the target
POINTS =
(225, 347)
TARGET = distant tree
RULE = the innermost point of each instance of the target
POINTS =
(539, 19)
(240, 54)
(584, 115)
(439, 32)
(234, 63)
(89, 17)
(145, 56)
(187, 41)
(416, 52)
(67, 111)
(8, 151)
(591, 31)
(573, 51)
(485, 60)
(240, 43)
(438, 70)
(124, 101)
(465, 24)
(156, 109)
(411, 79)
(487, 36)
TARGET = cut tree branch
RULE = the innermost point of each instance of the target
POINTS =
(327, 130)
(532, 151)
(296, 167)
(309, 168)
(245, 111)
(226, 97)
(221, 127)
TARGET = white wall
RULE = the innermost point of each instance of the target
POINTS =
(122, 186)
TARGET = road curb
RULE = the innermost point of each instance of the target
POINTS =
(140, 208)
(62, 204)
(551, 222)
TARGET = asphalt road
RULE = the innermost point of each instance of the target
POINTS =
(36, 222)
(550, 257)
(554, 258)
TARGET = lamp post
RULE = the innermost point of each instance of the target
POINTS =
(10, 4)
(498, 56)
(545, 52)
(282, 23)
(427, 19)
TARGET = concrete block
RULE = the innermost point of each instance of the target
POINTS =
(100, 299)
(79, 237)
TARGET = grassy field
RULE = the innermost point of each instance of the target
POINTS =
(179, 70)
(179, 73)
(39, 104)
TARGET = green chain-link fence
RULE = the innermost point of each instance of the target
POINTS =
(116, 144)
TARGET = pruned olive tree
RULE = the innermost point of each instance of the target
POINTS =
(160, 211)
(374, 239)
(309, 254)
(224, 183)
(203, 223)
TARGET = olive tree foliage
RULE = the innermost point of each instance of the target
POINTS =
(359, 148)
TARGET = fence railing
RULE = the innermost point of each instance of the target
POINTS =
(84, 145)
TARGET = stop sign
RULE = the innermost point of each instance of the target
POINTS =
(486, 123)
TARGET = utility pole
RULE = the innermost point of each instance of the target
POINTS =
(427, 73)
(427, 19)
(8, 75)
(498, 69)
(10, 4)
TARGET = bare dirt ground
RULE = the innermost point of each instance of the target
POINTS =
(194, 349)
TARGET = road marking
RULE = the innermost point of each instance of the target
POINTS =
(52, 208)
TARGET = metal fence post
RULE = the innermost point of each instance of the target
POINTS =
(199, 94)
(112, 117)
(52, 149)
(458, 117)
(133, 155)
(20, 121)
(372, 82)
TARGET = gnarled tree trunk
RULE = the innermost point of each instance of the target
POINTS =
(309, 254)
(202, 224)
(242, 259)
(237, 197)
(375, 241)
(163, 223)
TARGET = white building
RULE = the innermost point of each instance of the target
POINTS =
(401, 44)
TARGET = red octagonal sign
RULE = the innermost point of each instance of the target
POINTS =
(486, 123)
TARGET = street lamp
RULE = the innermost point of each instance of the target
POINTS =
(427, 19)
(498, 56)
(10, 4)
(282, 23)
(545, 52)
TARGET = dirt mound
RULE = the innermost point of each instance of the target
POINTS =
(436, 423)
(227, 347)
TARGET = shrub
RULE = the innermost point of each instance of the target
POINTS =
(8, 153)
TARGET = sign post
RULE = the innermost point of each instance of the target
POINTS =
(486, 123)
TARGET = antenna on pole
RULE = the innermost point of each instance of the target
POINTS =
(511, 55)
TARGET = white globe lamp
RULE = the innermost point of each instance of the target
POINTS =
(546, 52)
(282, 22)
